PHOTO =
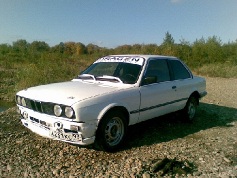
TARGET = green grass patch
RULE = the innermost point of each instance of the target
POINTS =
(224, 70)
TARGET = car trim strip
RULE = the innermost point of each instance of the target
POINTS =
(157, 106)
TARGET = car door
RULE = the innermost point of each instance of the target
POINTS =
(158, 96)
(182, 80)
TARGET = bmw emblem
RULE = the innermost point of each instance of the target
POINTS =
(58, 125)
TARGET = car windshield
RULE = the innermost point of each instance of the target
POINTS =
(113, 71)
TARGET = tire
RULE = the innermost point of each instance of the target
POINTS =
(190, 108)
(111, 131)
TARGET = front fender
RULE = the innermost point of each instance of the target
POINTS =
(107, 108)
(96, 108)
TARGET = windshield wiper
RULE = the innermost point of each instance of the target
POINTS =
(86, 77)
(109, 78)
(100, 78)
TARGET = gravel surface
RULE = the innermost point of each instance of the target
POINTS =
(161, 147)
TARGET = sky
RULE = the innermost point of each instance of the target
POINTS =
(111, 23)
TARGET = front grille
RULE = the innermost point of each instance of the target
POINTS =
(41, 107)
(38, 106)
(47, 107)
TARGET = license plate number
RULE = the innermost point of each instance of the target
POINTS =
(61, 135)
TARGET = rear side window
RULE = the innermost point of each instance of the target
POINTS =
(158, 68)
(179, 71)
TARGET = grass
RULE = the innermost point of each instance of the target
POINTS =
(224, 70)
(27, 74)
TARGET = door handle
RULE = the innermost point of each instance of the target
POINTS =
(174, 87)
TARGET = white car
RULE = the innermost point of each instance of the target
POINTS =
(114, 92)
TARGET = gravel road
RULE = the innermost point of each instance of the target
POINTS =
(161, 147)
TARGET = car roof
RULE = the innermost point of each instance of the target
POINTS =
(146, 57)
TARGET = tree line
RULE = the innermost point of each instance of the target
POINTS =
(200, 52)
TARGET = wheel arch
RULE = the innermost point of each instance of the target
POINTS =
(196, 95)
(112, 108)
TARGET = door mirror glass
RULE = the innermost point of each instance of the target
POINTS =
(149, 80)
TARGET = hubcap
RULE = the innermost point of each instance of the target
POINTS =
(191, 110)
(114, 131)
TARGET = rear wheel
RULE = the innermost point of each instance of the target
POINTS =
(190, 108)
(111, 131)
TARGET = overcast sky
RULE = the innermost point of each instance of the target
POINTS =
(110, 23)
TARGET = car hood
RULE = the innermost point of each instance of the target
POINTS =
(69, 92)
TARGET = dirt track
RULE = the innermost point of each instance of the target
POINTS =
(205, 148)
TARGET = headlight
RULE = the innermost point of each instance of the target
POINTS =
(23, 102)
(68, 112)
(18, 100)
(57, 110)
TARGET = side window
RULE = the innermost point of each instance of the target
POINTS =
(179, 71)
(159, 69)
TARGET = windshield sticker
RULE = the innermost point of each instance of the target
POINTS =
(132, 60)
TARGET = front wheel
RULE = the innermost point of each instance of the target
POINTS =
(111, 131)
(190, 108)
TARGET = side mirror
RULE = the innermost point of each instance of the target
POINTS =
(149, 80)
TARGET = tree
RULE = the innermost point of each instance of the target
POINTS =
(150, 49)
(70, 48)
(199, 53)
(168, 40)
(184, 50)
(58, 48)
(230, 51)
(168, 45)
(4, 49)
(91, 48)
(39, 46)
(80, 48)
(20, 46)
(136, 49)
(124, 49)
(214, 49)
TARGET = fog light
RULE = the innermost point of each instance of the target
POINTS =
(75, 128)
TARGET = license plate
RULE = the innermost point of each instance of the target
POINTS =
(61, 135)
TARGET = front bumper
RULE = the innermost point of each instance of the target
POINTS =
(58, 128)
